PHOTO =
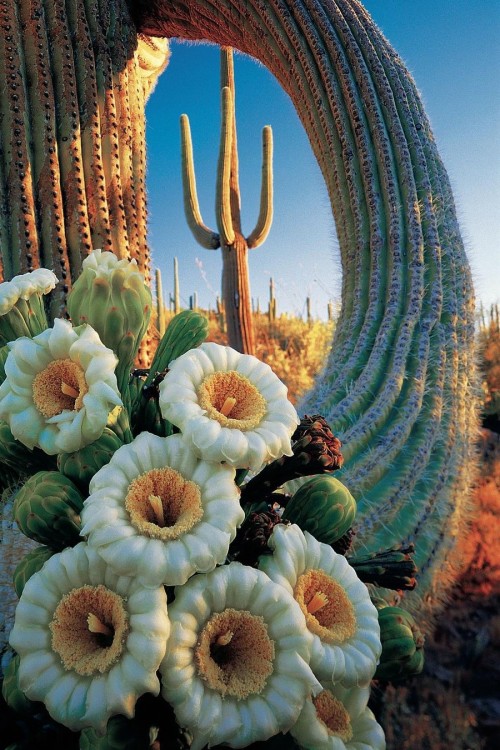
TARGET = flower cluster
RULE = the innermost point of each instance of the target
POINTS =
(179, 584)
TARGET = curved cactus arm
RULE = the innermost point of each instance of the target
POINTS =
(202, 234)
(265, 219)
(223, 190)
(400, 385)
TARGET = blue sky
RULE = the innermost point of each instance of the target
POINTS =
(452, 48)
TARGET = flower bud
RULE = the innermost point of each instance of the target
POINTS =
(324, 507)
(402, 645)
(47, 509)
(110, 295)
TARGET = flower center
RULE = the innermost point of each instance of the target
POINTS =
(232, 400)
(162, 504)
(333, 714)
(328, 610)
(89, 629)
(61, 385)
(234, 654)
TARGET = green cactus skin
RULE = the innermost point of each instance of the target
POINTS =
(81, 465)
(30, 564)
(235, 281)
(399, 388)
(402, 646)
(47, 509)
(324, 507)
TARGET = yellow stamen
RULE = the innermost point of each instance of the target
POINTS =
(234, 654)
(317, 602)
(244, 409)
(157, 506)
(327, 608)
(89, 629)
(96, 626)
(227, 406)
(68, 390)
(225, 638)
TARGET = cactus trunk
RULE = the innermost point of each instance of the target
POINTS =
(72, 163)
(236, 296)
(400, 385)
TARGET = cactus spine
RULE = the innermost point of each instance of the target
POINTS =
(400, 386)
(235, 280)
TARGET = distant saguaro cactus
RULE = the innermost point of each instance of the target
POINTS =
(235, 280)
(271, 312)
(177, 294)
(160, 304)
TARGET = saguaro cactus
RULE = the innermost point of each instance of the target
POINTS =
(399, 387)
(235, 281)
(160, 304)
(75, 80)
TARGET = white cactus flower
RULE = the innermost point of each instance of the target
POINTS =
(159, 513)
(236, 669)
(40, 281)
(229, 406)
(90, 642)
(60, 388)
(336, 605)
(104, 264)
(338, 718)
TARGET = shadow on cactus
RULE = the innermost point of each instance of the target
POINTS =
(192, 544)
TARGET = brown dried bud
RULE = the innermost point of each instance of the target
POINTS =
(253, 536)
(343, 545)
(314, 438)
(315, 451)
(392, 569)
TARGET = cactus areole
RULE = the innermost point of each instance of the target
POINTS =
(399, 388)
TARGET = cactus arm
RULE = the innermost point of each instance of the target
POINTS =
(399, 387)
(203, 235)
(265, 219)
(223, 189)
(227, 79)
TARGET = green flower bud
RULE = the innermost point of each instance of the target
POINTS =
(30, 564)
(324, 507)
(402, 645)
(110, 295)
(185, 331)
(81, 465)
(47, 509)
